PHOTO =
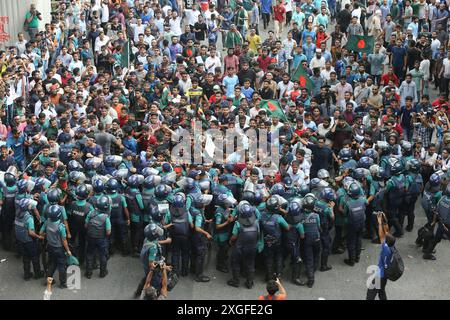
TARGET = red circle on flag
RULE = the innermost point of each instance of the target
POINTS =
(302, 81)
(361, 44)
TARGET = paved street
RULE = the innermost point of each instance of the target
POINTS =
(421, 280)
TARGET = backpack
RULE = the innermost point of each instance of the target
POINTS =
(396, 266)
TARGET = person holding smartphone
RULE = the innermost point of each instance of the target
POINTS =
(32, 21)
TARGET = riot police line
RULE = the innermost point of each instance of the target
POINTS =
(163, 216)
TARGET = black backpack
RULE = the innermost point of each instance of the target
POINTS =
(396, 266)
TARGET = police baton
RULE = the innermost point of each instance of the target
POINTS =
(24, 171)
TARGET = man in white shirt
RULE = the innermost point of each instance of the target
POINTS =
(318, 61)
(102, 40)
(138, 29)
(212, 62)
(21, 43)
(192, 15)
(175, 24)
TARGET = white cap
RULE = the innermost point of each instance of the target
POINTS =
(318, 50)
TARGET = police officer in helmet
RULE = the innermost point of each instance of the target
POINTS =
(443, 221)
(311, 232)
(354, 208)
(98, 226)
(272, 223)
(57, 245)
(324, 208)
(244, 242)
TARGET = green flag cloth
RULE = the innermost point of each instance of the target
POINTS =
(273, 109)
(303, 79)
(125, 56)
(361, 44)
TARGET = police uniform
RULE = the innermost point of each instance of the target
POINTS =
(311, 233)
(292, 247)
(24, 223)
(354, 210)
(244, 249)
(326, 222)
(98, 226)
(180, 234)
(271, 224)
(78, 211)
(443, 211)
(118, 222)
(415, 182)
(8, 215)
(199, 242)
(136, 208)
(55, 234)
(222, 237)
(430, 198)
(396, 188)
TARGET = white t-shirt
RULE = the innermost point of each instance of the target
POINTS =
(212, 63)
(138, 30)
(447, 68)
(192, 16)
(175, 26)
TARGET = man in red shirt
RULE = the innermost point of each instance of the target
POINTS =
(389, 76)
(264, 60)
(279, 12)
(231, 60)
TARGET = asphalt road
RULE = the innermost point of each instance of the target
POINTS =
(421, 280)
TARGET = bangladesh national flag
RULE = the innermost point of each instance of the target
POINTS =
(361, 44)
(125, 55)
(303, 79)
(273, 109)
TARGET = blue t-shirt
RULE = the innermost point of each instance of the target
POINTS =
(398, 56)
(265, 6)
(385, 258)
(17, 146)
(229, 83)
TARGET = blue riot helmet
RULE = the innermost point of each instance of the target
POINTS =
(323, 174)
(120, 174)
(41, 183)
(98, 186)
(113, 161)
(10, 179)
(345, 154)
(194, 173)
(147, 171)
(151, 181)
(287, 181)
(277, 188)
(24, 204)
(74, 165)
(133, 181)
(371, 153)
(112, 185)
(377, 172)
(103, 204)
(92, 163)
(201, 200)
(153, 232)
(294, 211)
(396, 168)
(435, 179)
(248, 196)
(406, 146)
(22, 186)
(76, 176)
(82, 192)
(314, 183)
(53, 196)
(309, 201)
(205, 184)
(226, 201)
(328, 195)
(304, 190)
(413, 165)
(359, 174)
(259, 197)
(347, 181)
(169, 178)
(365, 162)
(354, 190)
(54, 213)
(246, 213)
(189, 184)
(179, 200)
(162, 191)
(272, 204)
(155, 213)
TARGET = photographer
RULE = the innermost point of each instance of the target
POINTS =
(32, 21)
(151, 293)
(273, 287)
